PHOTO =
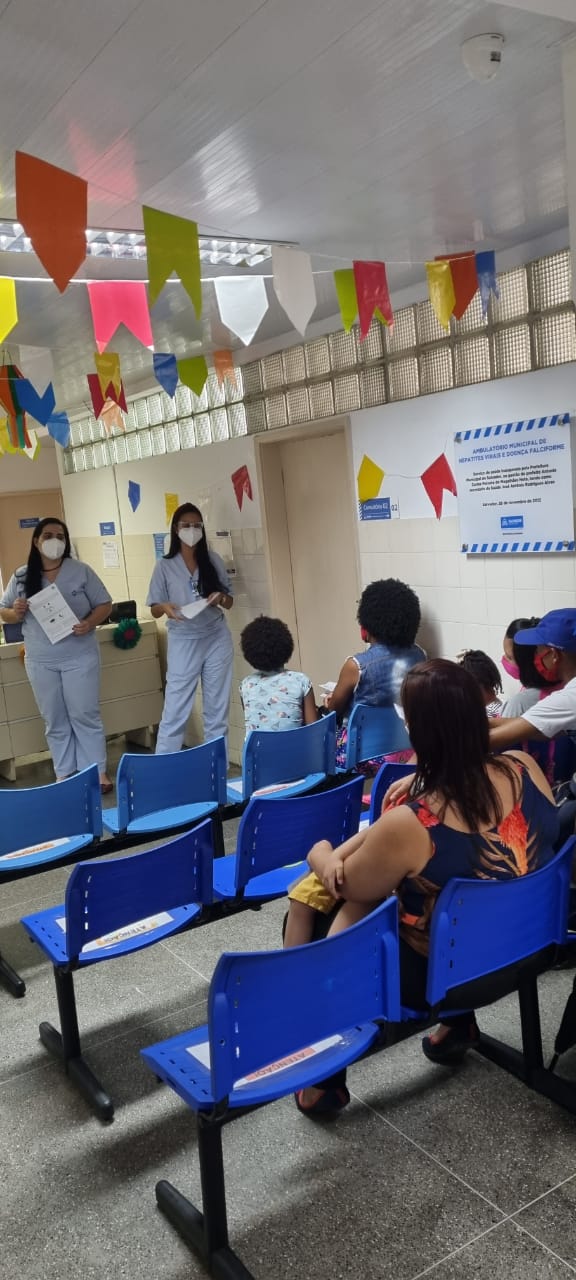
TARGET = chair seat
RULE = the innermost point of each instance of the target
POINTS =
(272, 884)
(48, 929)
(160, 819)
(184, 1063)
(298, 787)
(40, 854)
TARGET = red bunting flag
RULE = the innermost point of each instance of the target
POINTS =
(115, 302)
(436, 478)
(464, 279)
(52, 206)
(242, 484)
(99, 400)
(372, 294)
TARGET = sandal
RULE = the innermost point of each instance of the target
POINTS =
(454, 1046)
(330, 1100)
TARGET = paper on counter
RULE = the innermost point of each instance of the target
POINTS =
(51, 612)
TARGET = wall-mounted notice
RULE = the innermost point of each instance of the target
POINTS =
(107, 528)
(160, 541)
(29, 522)
(514, 485)
(379, 509)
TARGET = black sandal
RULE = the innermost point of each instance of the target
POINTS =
(330, 1100)
(454, 1046)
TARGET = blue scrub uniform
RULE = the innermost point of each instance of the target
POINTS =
(65, 676)
(198, 649)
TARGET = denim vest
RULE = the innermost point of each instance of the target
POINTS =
(382, 671)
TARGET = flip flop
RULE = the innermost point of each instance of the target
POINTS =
(330, 1101)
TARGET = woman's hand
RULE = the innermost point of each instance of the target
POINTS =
(217, 597)
(318, 856)
(84, 627)
(333, 877)
(397, 791)
(20, 607)
(173, 611)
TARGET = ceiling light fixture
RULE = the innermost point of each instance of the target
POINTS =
(132, 244)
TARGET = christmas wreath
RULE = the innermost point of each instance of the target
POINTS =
(127, 633)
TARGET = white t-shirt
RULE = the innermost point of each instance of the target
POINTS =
(555, 714)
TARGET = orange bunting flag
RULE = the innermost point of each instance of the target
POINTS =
(115, 302)
(224, 367)
(111, 416)
(441, 290)
(372, 294)
(464, 279)
(52, 206)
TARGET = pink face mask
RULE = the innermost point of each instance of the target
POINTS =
(510, 668)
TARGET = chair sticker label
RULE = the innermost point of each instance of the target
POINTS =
(122, 935)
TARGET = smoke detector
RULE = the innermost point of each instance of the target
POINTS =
(482, 56)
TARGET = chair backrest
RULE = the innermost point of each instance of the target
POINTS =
(386, 776)
(13, 633)
(270, 757)
(481, 926)
(263, 1006)
(274, 832)
(146, 783)
(105, 895)
(372, 732)
(35, 815)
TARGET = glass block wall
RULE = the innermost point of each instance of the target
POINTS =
(531, 326)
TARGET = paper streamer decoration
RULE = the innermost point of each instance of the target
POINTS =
(111, 416)
(372, 294)
(224, 367)
(242, 305)
(8, 307)
(294, 285)
(10, 375)
(172, 248)
(171, 503)
(166, 371)
(438, 477)
(242, 484)
(98, 400)
(52, 206)
(441, 291)
(39, 407)
(59, 428)
(115, 302)
(108, 370)
(487, 280)
(369, 479)
(134, 494)
(346, 294)
(193, 372)
(464, 279)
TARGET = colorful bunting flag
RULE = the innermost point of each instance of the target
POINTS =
(193, 372)
(487, 279)
(39, 407)
(115, 302)
(369, 479)
(59, 428)
(166, 371)
(464, 279)
(224, 367)
(242, 484)
(294, 285)
(6, 445)
(10, 375)
(8, 307)
(242, 304)
(372, 294)
(441, 290)
(52, 206)
(436, 478)
(346, 294)
(172, 249)
(134, 494)
(98, 400)
(111, 416)
(108, 370)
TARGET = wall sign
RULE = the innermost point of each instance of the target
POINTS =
(514, 485)
(29, 522)
(107, 529)
(379, 509)
(159, 545)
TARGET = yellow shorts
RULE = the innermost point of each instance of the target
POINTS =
(312, 893)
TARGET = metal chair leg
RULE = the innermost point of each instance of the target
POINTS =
(65, 1045)
(11, 980)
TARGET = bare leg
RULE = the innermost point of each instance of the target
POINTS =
(299, 924)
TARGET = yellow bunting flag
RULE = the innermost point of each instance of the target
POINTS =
(172, 248)
(8, 307)
(346, 293)
(193, 372)
(108, 369)
(441, 290)
(369, 479)
(170, 505)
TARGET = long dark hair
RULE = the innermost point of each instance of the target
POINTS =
(34, 570)
(530, 678)
(208, 580)
(448, 727)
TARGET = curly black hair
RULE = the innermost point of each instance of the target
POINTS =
(267, 644)
(484, 670)
(389, 611)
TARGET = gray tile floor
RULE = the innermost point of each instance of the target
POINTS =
(460, 1175)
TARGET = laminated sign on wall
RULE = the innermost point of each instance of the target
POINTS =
(514, 485)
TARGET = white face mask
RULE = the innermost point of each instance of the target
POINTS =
(190, 537)
(53, 548)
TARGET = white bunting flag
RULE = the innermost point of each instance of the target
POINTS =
(242, 305)
(294, 285)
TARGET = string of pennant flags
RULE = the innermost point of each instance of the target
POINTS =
(52, 207)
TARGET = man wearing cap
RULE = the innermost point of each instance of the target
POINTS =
(555, 660)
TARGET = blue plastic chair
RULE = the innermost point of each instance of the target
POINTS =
(386, 776)
(264, 1040)
(276, 835)
(301, 757)
(156, 793)
(114, 907)
(41, 825)
(373, 732)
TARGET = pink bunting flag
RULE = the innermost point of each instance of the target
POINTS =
(115, 302)
(436, 478)
(111, 416)
(372, 294)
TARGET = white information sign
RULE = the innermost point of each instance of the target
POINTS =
(514, 485)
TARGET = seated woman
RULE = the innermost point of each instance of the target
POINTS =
(467, 813)
(389, 617)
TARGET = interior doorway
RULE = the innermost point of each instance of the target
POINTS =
(18, 511)
(309, 524)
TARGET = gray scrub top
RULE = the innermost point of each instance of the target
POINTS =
(82, 590)
(173, 583)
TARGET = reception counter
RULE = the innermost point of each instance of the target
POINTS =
(131, 697)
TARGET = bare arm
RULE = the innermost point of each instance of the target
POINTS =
(221, 598)
(93, 619)
(309, 708)
(394, 847)
(166, 610)
(16, 614)
(505, 733)
(347, 680)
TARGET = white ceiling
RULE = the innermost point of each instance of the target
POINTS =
(349, 127)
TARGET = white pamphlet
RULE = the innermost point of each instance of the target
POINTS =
(51, 612)
(328, 687)
(192, 610)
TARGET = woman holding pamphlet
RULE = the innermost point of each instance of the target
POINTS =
(59, 601)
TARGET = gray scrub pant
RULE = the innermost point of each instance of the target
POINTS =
(209, 658)
(68, 700)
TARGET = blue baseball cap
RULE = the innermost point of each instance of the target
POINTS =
(557, 629)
